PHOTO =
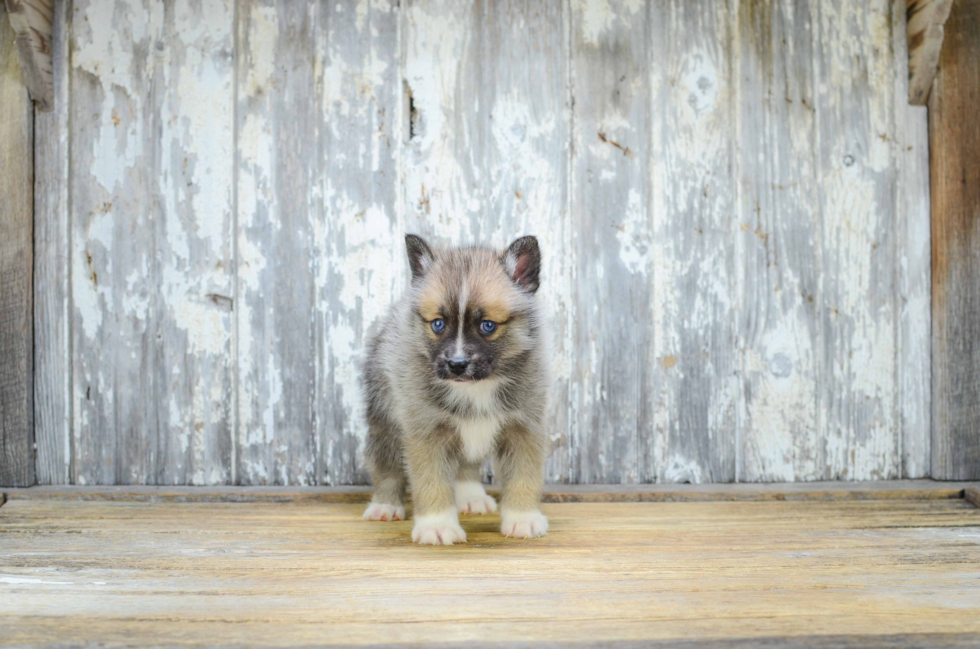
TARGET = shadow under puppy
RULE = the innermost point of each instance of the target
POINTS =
(457, 373)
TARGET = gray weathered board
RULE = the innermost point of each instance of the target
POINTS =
(732, 199)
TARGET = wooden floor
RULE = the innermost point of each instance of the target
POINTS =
(83, 569)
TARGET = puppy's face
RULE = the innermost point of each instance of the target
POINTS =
(474, 306)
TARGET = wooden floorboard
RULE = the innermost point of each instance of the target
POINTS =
(891, 572)
(876, 490)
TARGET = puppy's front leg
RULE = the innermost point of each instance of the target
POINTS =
(520, 463)
(432, 466)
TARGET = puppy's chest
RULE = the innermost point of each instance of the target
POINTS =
(478, 436)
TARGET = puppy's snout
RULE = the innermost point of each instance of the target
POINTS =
(457, 365)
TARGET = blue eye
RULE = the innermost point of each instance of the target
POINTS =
(438, 325)
(487, 327)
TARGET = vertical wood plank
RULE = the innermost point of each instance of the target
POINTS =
(276, 175)
(16, 267)
(52, 361)
(358, 243)
(444, 177)
(151, 150)
(779, 233)
(444, 187)
(857, 200)
(611, 241)
(485, 156)
(694, 272)
(526, 95)
(911, 159)
(954, 138)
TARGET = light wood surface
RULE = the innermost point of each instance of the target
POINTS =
(288, 574)
(52, 362)
(729, 199)
(747, 492)
(16, 267)
(954, 135)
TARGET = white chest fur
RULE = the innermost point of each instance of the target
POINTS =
(478, 433)
(479, 437)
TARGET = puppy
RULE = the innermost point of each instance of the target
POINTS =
(457, 373)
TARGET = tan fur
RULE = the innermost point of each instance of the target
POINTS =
(425, 425)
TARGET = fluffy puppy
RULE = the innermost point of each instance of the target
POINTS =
(456, 374)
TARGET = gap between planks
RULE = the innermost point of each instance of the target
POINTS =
(799, 491)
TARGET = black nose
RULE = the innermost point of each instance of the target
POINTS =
(457, 367)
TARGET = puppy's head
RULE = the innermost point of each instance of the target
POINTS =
(474, 306)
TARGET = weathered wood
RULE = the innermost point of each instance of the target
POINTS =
(696, 386)
(858, 310)
(954, 138)
(612, 249)
(914, 272)
(527, 98)
(924, 30)
(277, 126)
(52, 319)
(16, 268)
(32, 21)
(357, 239)
(152, 254)
(972, 495)
(695, 182)
(305, 574)
(669, 492)
(780, 433)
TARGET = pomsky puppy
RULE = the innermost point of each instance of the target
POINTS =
(457, 373)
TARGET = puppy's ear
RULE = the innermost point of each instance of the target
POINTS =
(420, 255)
(523, 263)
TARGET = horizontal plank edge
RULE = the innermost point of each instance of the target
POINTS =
(746, 492)
(972, 495)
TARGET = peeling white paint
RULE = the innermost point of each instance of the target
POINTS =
(487, 159)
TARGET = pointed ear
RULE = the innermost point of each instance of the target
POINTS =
(420, 256)
(523, 263)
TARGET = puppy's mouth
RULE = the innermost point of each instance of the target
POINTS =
(472, 375)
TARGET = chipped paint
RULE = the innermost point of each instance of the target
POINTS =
(728, 298)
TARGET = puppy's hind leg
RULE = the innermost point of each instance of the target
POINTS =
(384, 452)
(471, 497)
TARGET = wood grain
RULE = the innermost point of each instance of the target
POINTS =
(32, 21)
(954, 136)
(742, 492)
(289, 574)
(357, 241)
(914, 272)
(612, 245)
(733, 226)
(781, 432)
(695, 311)
(152, 254)
(858, 314)
(925, 20)
(276, 174)
(16, 268)
(52, 287)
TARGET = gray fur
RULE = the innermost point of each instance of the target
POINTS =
(416, 412)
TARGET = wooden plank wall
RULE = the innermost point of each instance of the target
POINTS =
(955, 134)
(732, 200)
(16, 204)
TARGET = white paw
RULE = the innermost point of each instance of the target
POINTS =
(438, 529)
(382, 512)
(523, 525)
(472, 499)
